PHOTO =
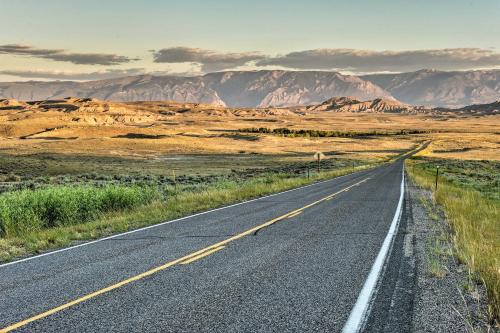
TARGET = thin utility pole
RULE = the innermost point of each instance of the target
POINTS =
(175, 181)
(437, 176)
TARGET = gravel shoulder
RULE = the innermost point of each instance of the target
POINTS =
(446, 298)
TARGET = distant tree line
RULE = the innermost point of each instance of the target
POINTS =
(283, 131)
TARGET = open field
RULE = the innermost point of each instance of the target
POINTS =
(62, 142)
(86, 136)
(465, 146)
(139, 143)
(155, 130)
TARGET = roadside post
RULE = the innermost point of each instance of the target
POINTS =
(437, 176)
(175, 181)
(319, 156)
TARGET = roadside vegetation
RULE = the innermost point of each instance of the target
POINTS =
(51, 216)
(45, 170)
(438, 245)
(468, 192)
(26, 211)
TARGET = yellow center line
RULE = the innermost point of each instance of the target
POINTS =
(183, 260)
(294, 214)
(204, 254)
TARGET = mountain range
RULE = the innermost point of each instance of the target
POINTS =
(439, 88)
(276, 88)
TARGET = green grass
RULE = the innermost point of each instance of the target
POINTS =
(483, 176)
(24, 211)
(49, 231)
(42, 170)
(473, 211)
(32, 166)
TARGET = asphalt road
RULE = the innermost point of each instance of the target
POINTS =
(296, 261)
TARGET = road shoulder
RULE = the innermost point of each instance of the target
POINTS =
(446, 299)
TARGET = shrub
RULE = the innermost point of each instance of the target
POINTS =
(11, 177)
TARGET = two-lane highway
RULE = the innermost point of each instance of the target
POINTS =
(294, 261)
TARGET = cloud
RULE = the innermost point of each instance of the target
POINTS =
(20, 49)
(78, 76)
(91, 58)
(376, 61)
(353, 61)
(65, 56)
(207, 59)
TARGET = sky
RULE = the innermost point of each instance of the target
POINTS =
(88, 40)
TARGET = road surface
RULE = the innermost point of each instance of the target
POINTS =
(297, 261)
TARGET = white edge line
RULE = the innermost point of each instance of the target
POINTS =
(172, 221)
(361, 310)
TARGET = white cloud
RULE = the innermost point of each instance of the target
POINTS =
(65, 56)
(356, 60)
(77, 76)
(207, 59)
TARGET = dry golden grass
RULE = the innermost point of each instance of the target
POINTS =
(99, 128)
(467, 146)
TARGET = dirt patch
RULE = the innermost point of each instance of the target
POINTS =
(140, 136)
(457, 150)
(240, 137)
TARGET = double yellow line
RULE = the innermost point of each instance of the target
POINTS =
(183, 261)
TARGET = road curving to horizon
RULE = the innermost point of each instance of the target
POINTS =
(295, 261)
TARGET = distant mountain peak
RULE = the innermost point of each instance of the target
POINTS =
(276, 88)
